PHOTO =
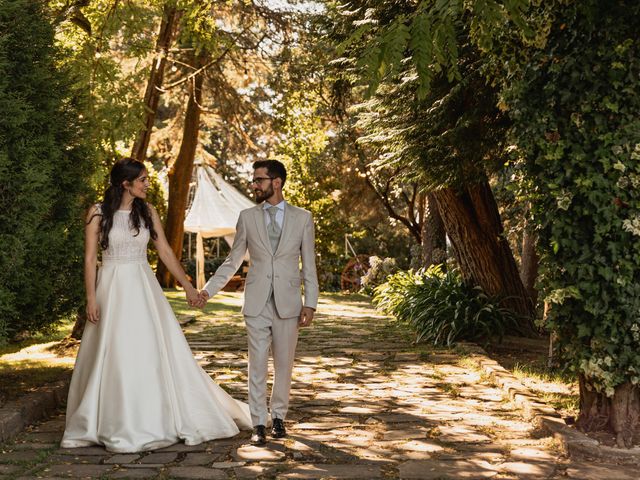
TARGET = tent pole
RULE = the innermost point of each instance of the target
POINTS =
(199, 262)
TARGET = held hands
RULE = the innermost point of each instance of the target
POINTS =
(193, 297)
(201, 300)
(306, 315)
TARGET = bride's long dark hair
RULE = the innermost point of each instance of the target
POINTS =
(125, 169)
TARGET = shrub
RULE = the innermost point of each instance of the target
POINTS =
(576, 123)
(441, 308)
(45, 170)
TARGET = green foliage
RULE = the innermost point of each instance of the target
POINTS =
(577, 127)
(441, 308)
(304, 141)
(44, 164)
(384, 35)
(453, 137)
(109, 65)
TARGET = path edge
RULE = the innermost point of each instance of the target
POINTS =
(18, 414)
(574, 443)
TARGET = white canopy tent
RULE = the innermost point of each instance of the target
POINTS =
(213, 213)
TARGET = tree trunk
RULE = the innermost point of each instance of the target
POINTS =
(618, 414)
(472, 222)
(529, 264)
(434, 239)
(156, 76)
(180, 175)
(78, 326)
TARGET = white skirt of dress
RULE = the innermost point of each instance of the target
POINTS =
(136, 385)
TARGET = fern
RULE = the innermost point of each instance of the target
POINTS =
(441, 308)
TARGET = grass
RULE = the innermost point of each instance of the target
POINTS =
(29, 364)
(338, 297)
(541, 372)
(555, 387)
(54, 334)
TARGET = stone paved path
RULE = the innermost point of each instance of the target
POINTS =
(366, 404)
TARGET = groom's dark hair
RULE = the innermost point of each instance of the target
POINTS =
(274, 168)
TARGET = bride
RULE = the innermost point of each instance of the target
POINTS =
(136, 385)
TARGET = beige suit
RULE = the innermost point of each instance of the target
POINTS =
(272, 298)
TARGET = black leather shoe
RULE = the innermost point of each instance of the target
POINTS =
(277, 429)
(259, 436)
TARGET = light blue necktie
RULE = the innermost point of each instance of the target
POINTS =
(273, 229)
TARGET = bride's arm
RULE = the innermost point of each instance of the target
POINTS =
(169, 259)
(91, 239)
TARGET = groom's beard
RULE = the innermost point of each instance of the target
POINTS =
(262, 195)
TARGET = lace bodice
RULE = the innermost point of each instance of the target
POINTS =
(124, 245)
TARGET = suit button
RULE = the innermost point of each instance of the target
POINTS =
(269, 275)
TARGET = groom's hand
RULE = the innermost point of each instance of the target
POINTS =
(306, 315)
(203, 296)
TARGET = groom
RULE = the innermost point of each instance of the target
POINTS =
(280, 238)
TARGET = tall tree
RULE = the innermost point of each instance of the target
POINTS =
(434, 237)
(452, 141)
(170, 17)
(239, 38)
(182, 169)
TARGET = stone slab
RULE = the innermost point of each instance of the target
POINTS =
(257, 454)
(122, 458)
(319, 471)
(9, 469)
(196, 473)
(135, 473)
(198, 459)
(159, 458)
(441, 470)
(91, 471)
(251, 472)
(15, 415)
(586, 471)
(19, 456)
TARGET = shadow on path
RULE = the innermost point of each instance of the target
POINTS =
(366, 403)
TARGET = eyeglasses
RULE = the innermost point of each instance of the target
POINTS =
(261, 179)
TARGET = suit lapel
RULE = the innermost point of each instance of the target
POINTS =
(262, 226)
(286, 225)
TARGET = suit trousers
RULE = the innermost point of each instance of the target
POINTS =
(267, 332)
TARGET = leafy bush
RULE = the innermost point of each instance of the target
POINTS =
(441, 308)
(45, 171)
(380, 269)
(576, 122)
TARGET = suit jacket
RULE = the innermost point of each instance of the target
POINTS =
(282, 269)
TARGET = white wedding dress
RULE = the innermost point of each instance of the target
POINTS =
(136, 385)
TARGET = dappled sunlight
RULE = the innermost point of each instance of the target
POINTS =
(41, 354)
(365, 399)
(335, 307)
